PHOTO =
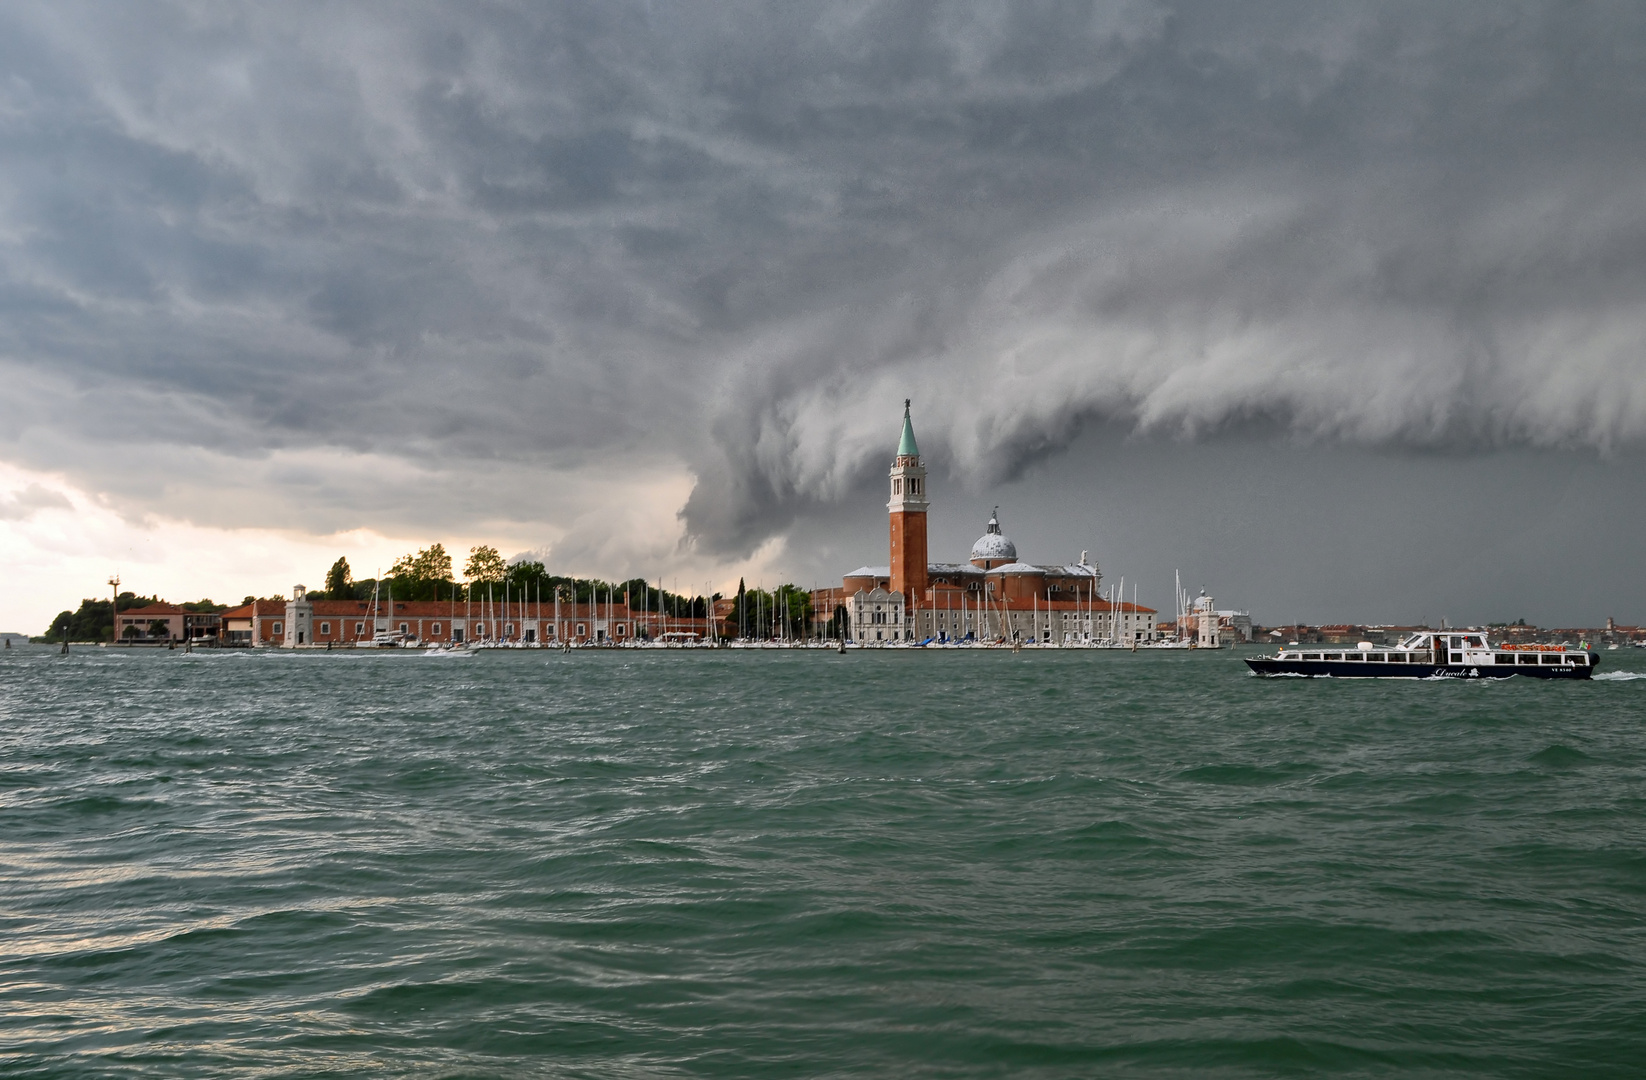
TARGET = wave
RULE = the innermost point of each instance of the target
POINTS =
(1618, 676)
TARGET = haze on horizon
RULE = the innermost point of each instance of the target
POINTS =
(1338, 309)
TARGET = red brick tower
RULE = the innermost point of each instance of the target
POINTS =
(908, 510)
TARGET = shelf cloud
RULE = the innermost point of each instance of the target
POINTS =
(726, 240)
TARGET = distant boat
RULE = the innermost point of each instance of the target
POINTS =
(385, 639)
(1466, 654)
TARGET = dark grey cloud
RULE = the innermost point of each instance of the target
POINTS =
(505, 237)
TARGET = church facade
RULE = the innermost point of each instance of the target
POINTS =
(993, 597)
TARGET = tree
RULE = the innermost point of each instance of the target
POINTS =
(425, 575)
(429, 564)
(339, 580)
(484, 565)
(433, 564)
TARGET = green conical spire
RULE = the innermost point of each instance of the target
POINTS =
(906, 445)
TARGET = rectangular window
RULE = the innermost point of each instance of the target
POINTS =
(279, 628)
(1551, 658)
(359, 628)
(620, 630)
(897, 487)
(1354, 656)
(434, 628)
(402, 628)
(1504, 658)
(508, 629)
(1457, 658)
(582, 631)
(1374, 658)
(457, 634)
(1332, 656)
(1311, 656)
(1528, 658)
(325, 628)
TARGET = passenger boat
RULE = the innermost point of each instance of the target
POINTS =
(1455, 654)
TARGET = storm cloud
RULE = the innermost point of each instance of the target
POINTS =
(470, 243)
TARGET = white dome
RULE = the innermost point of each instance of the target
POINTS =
(994, 545)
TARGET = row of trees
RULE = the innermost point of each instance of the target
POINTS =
(784, 611)
(428, 574)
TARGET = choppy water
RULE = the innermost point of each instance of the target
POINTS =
(744, 864)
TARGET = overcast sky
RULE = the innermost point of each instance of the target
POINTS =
(1336, 308)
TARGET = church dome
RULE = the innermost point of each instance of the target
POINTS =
(994, 546)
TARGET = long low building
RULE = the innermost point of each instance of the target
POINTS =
(304, 623)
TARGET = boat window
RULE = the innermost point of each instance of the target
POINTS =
(1528, 658)
(1457, 658)
(1504, 658)
(1375, 657)
(1551, 658)
(1311, 656)
(1473, 643)
(1354, 656)
(1396, 658)
(1332, 655)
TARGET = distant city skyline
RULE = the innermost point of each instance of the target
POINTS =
(1339, 311)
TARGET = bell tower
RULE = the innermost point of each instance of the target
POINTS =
(908, 510)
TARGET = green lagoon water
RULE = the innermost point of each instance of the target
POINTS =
(896, 864)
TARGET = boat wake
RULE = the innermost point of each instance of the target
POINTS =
(1619, 676)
